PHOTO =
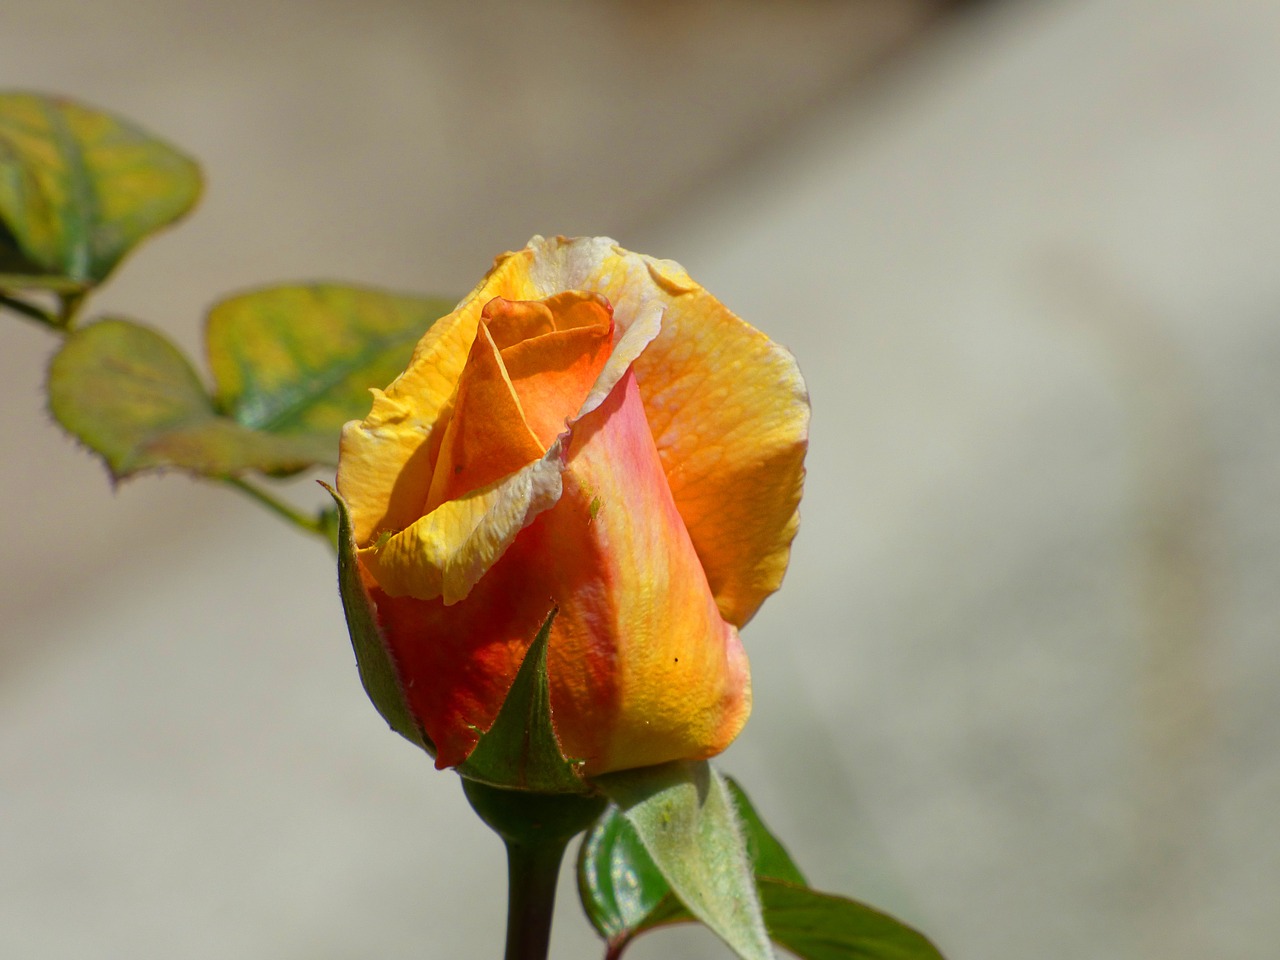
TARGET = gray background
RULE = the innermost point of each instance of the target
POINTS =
(1021, 684)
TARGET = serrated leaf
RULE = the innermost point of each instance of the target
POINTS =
(130, 395)
(293, 364)
(625, 894)
(683, 815)
(373, 657)
(520, 751)
(298, 360)
(823, 926)
(79, 188)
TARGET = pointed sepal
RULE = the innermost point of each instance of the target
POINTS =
(520, 751)
(373, 657)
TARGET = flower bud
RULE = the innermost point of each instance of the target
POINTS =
(589, 431)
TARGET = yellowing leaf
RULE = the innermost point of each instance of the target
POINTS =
(292, 365)
(79, 188)
(300, 359)
(130, 395)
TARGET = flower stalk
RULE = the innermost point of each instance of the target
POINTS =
(535, 828)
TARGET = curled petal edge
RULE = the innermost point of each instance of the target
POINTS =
(641, 332)
(445, 553)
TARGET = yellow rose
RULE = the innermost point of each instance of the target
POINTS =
(589, 430)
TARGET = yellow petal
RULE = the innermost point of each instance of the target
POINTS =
(445, 553)
(730, 415)
(385, 464)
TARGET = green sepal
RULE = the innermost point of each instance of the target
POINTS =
(684, 818)
(373, 658)
(625, 894)
(520, 751)
(79, 189)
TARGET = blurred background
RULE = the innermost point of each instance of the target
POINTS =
(1022, 685)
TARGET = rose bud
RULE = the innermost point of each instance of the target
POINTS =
(589, 431)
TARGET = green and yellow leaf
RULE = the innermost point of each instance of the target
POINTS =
(291, 365)
(79, 189)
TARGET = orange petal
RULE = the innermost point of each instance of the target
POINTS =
(446, 552)
(552, 372)
(728, 410)
(730, 416)
(487, 436)
(512, 321)
(643, 669)
(460, 660)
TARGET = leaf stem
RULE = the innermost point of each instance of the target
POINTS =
(320, 524)
(31, 312)
(69, 308)
(35, 281)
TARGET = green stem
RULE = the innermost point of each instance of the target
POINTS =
(532, 872)
(318, 524)
(536, 828)
(70, 308)
(35, 281)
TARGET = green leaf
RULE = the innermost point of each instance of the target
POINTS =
(684, 817)
(769, 858)
(625, 894)
(373, 658)
(130, 395)
(520, 751)
(822, 926)
(299, 360)
(292, 365)
(79, 188)
(622, 889)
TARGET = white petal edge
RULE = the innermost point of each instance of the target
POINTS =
(642, 331)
